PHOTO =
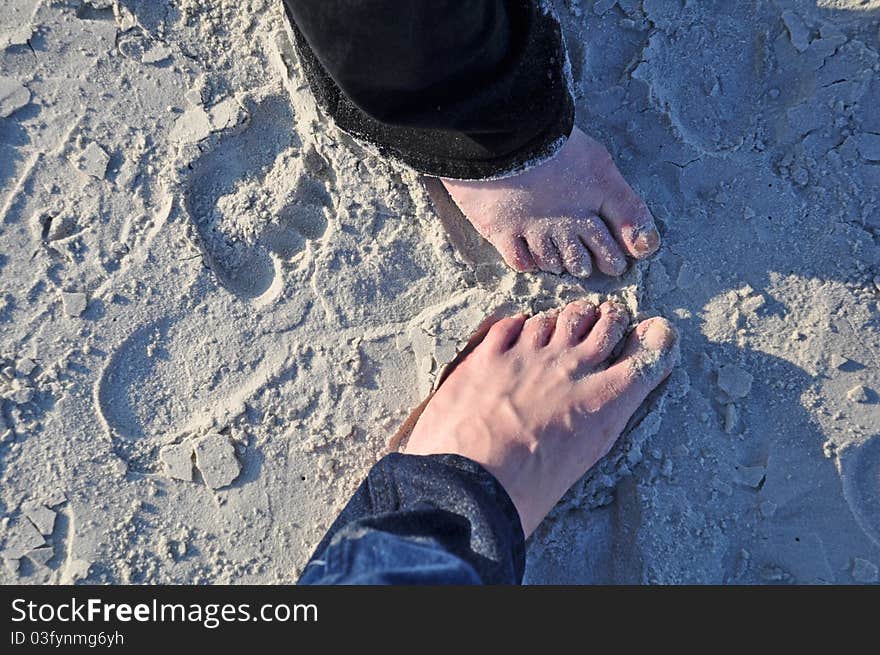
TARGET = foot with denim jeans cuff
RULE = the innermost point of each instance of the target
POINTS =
(572, 213)
(540, 400)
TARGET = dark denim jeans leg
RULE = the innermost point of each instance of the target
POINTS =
(438, 519)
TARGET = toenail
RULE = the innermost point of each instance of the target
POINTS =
(646, 239)
(660, 335)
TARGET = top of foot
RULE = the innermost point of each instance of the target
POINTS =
(572, 213)
(539, 401)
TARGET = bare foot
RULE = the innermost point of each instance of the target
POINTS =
(555, 216)
(538, 402)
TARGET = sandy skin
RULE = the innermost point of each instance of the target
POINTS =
(572, 213)
(539, 401)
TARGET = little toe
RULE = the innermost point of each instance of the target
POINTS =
(575, 256)
(504, 333)
(607, 254)
(606, 333)
(539, 329)
(544, 252)
(516, 253)
(575, 321)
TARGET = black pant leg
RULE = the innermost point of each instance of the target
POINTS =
(467, 89)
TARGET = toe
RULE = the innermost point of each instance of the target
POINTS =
(651, 337)
(606, 333)
(544, 251)
(628, 218)
(575, 256)
(503, 334)
(647, 359)
(516, 253)
(575, 321)
(607, 254)
(539, 329)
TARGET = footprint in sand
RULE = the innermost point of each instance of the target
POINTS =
(172, 377)
(860, 471)
(255, 199)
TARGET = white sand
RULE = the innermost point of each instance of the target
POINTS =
(214, 310)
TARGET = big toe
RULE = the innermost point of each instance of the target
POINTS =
(629, 218)
(649, 355)
(656, 335)
(642, 239)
